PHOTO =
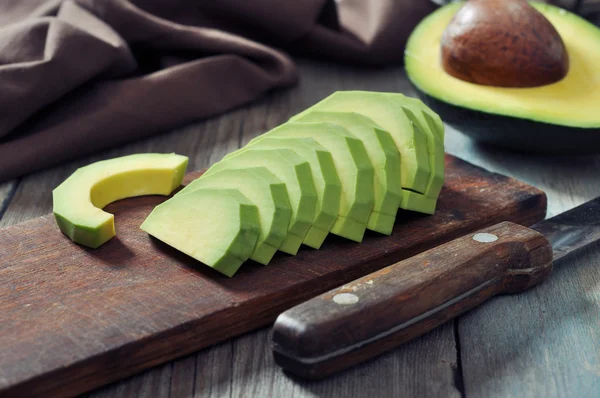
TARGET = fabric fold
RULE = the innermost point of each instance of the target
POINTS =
(33, 77)
(78, 76)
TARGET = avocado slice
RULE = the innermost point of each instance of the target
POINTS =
(267, 192)
(327, 182)
(435, 123)
(218, 227)
(559, 117)
(384, 157)
(353, 166)
(412, 146)
(435, 142)
(77, 202)
(295, 172)
(432, 120)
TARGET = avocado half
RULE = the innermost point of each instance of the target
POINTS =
(560, 117)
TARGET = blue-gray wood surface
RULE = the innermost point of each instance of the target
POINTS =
(543, 343)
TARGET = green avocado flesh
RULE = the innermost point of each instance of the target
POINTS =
(413, 147)
(218, 227)
(78, 201)
(354, 170)
(384, 157)
(267, 192)
(435, 141)
(327, 182)
(571, 102)
(296, 174)
(343, 166)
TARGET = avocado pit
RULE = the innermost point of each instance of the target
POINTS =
(503, 43)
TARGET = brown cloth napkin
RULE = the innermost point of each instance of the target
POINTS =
(79, 76)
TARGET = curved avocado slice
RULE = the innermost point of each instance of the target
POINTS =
(327, 182)
(353, 166)
(571, 102)
(218, 227)
(78, 201)
(267, 192)
(384, 157)
(411, 145)
(295, 172)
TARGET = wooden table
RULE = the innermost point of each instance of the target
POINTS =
(544, 343)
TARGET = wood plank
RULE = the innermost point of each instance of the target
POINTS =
(156, 383)
(7, 191)
(151, 304)
(544, 342)
(243, 367)
(568, 181)
(207, 373)
(255, 376)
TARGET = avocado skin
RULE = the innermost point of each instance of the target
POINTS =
(516, 134)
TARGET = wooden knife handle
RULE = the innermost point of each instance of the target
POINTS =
(380, 311)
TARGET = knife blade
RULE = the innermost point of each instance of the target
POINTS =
(573, 229)
(380, 311)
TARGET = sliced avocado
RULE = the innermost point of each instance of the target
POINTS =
(218, 227)
(384, 157)
(558, 117)
(411, 145)
(296, 173)
(327, 182)
(267, 192)
(78, 201)
(353, 166)
(435, 142)
(433, 119)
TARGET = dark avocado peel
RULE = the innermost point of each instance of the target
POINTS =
(559, 117)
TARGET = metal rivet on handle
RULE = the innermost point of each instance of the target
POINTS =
(345, 298)
(484, 237)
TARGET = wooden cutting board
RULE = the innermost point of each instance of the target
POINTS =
(72, 319)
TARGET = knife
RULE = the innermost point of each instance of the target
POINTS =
(378, 312)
